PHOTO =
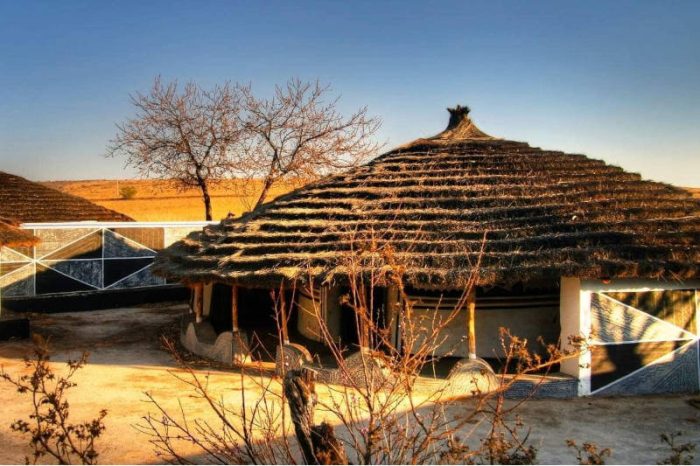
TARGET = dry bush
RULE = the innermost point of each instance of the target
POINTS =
(589, 452)
(377, 411)
(50, 432)
(127, 192)
(680, 454)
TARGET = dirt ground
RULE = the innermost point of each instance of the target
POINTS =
(127, 360)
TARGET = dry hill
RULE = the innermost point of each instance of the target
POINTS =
(158, 200)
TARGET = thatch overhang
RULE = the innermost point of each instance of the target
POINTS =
(12, 236)
(544, 214)
(29, 202)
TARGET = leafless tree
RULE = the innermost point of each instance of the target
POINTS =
(182, 135)
(299, 132)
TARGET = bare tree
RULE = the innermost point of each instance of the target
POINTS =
(185, 136)
(299, 132)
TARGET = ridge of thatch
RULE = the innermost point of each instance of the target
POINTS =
(544, 214)
(29, 202)
(11, 235)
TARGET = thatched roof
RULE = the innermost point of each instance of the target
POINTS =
(545, 214)
(28, 202)
(11, 235)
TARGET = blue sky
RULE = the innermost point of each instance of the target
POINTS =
(616, 80)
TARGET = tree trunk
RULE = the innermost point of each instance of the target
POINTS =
(207, 199)
(263, 195)
(318, 443)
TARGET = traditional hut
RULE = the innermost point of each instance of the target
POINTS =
(562, 245)
(29, 202)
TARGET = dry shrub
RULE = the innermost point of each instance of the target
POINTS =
(589, 452)
(680, 454)
(50, 432)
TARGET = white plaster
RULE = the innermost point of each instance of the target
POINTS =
(574, 310)
(206, 306)
(637, 284)
(309, 316)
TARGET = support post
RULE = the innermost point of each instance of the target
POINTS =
(283, 316)
(198, 301)
(234, 308)
(471, 311)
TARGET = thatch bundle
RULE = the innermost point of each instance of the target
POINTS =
(11, 235)
(544, 214)
(26, 201)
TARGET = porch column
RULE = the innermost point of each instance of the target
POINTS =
(198, 304)
(471, 325)
(393, 308)
(283, 316)
(575, 321)
(234, 308)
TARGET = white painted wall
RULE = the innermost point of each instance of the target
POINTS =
(527, 323)
(206, 308)
(575, 318)
(308, 317)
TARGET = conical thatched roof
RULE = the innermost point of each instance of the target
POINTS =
(26, 202)
(545, 214)
(11, 235)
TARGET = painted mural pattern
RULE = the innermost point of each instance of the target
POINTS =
(644, 349)
(84, 259)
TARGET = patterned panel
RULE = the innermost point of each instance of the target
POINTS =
(9, 267)
(84, 258)
(611, 362)
(18, 283)
(615, 322)
(87, 247)
(152, 238)
(50, 281)
(86, 271)
(116, 245)
(118, 269)
(142, 278)
(675, 372)
(546, 388)
(676, 307)
(54, 239)
(12, 255)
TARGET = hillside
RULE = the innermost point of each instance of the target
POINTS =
(158, 200)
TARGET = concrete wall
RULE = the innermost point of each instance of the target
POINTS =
(308, 314)
(527, 323)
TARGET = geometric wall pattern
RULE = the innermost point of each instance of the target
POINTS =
(85, 258)
(644, 351)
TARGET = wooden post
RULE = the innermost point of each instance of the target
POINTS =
(471, 308)
(283, 315)
(198, 301)
(234, 308)
(318, 443)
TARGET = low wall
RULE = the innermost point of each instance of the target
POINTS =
(83, 257)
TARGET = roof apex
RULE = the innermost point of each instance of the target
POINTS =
(461, 126)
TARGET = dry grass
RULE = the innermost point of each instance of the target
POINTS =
(695, 192)
(158, 200)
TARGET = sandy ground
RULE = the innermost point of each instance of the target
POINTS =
(127, 360)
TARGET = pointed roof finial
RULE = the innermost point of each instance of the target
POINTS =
(461, 126)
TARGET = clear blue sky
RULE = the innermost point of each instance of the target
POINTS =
(617, 80)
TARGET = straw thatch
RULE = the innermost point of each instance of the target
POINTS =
(26, 201)
(545, 214)
(11, 235)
